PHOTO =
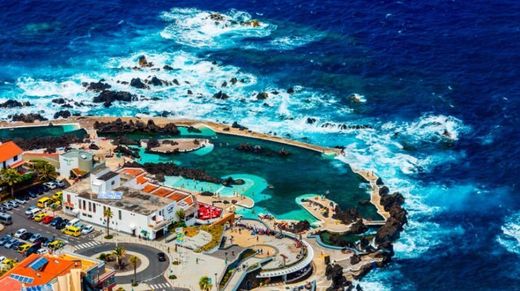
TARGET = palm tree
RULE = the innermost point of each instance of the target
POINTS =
(133, 261)
(181, 214)
(10, 177)
(205, 283)
(44, 170)
(119, 252)
(107, 213)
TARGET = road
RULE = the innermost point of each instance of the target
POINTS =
(152, 275)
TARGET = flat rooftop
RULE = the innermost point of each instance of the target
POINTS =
(133, 200)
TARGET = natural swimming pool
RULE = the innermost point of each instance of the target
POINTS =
(273, 181)
(40, 131)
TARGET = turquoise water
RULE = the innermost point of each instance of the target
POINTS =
(40, 131)
(205, 131)
(290, 177)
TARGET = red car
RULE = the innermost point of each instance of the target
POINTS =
(47, 219)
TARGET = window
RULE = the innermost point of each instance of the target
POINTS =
(120, 215)
(84, 205)
(113, 183)
(89, 206)
(94, 207)
(79, 202)
(15, 158)
(68, 198)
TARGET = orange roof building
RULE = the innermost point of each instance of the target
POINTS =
(36, 270)
(10, 155)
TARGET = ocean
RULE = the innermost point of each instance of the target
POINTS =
(436, 82)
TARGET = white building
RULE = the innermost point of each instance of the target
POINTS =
(10, 155)
(75, 161)
(138, 207)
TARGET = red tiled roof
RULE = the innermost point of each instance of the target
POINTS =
(149, 188)
(132, 171)
(9, 150)
(141, 180)
(162, 191)
(8, 283)
(53, 268)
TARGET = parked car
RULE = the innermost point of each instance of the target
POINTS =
(19, 232)
(7, 206)
(161, 257)
(13, 203)
(50, 185)
(56, 244)
(10, 243)
(20, 200)
(60, 184)
(26, 235)
(47, 219)
(34, 237)
(57, 220)
(87, 228)
(62, 224)
(42, 240)
(16, 244)
(42, 251)
(38, 217)
(23, 248)
(5, 239)
(33, 194)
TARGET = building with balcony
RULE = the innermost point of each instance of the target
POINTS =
(139, 206)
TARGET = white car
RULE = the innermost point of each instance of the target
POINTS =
(87, 228)
(19, 232)
(42, 251)
(20, 201)
(50, 185)
(2, 258)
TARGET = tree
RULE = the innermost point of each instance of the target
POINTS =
(133, 261)
(181, 214)
(119, 252)
(10, 177)
(205, 283)
(107, 213)
(44, 170)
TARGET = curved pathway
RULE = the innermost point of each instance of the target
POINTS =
(154, 270)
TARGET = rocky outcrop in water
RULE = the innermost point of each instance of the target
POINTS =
(220, 95)
(137, 83)
(96, 86)
(121, 127)
(28, 118)
(262, 96)
(127, 152)
(170, 169)
(346, 216)
(14, 103)
(167, 68)
(62, 114)
(238, 126)
(107, 97)
(51, 143)
(358, 227)
(334, 273)
(143, 62)
(158, 82)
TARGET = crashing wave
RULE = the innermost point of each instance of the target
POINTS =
(510, 236)
(196, 28)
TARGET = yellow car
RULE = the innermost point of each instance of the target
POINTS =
(72, 231)
(23, 248)
(55, 244)
(58, 195)
(9, 262)
(38, 217)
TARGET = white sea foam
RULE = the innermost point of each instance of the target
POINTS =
(510, 236)
(193, 27)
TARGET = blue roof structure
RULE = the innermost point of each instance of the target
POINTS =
(38, 264)
(22, 279)
(112, 195)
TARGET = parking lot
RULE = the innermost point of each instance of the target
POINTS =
(20, 220)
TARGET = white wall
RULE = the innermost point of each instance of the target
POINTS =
(66, 165)
(10, 162)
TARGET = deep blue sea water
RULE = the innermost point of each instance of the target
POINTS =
(440, 79)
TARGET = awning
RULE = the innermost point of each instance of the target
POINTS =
(17, 164)
(78, 172)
